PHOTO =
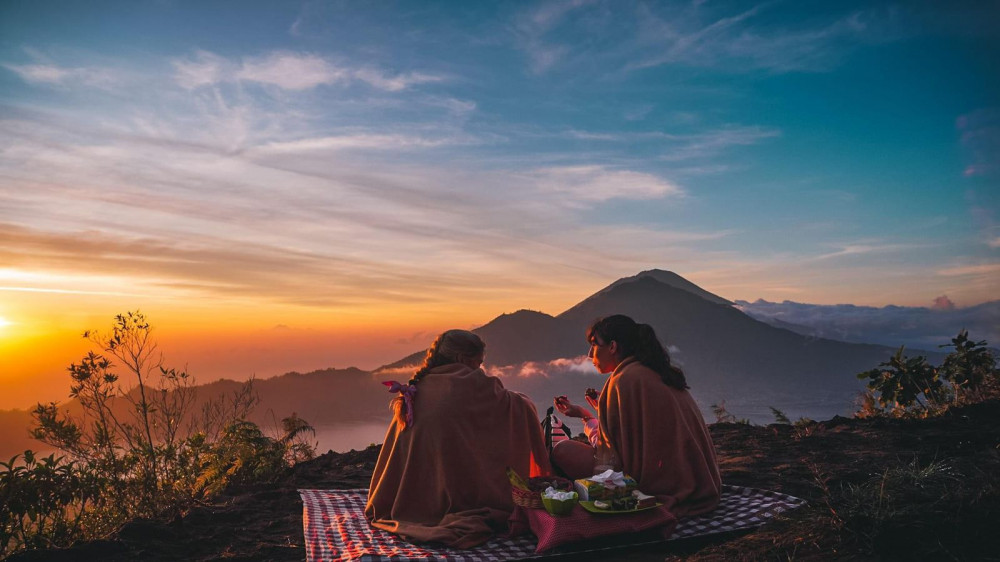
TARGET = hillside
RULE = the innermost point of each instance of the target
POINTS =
(328, 397)
(877, 490)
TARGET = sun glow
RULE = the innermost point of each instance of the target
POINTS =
(4, 322)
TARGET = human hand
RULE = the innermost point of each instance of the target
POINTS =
(591, 395)
(570, 409)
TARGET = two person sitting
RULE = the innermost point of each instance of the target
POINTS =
(441, 474)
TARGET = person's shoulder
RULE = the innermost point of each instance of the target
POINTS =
(635, 371)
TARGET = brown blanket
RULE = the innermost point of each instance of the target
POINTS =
(661, 438)
(444, 478)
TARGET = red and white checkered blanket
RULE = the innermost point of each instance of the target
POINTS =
(336, 529)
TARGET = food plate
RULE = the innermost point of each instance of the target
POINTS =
(589, 506)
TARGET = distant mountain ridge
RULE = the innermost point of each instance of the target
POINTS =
(915, 327)
(727, 355)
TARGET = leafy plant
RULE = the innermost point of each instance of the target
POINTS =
(722, 415)
(905, 386)
(779, 416)
(901, 381)
(44, 501)
(971, 367)
(134, 452)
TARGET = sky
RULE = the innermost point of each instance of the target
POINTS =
(300, 185)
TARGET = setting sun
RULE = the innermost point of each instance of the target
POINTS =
(4, 322)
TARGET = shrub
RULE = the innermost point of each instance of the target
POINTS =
(44, 502)
(907, 386)
(971, 368)
(131, 453)
(722, 415)
(901, 381)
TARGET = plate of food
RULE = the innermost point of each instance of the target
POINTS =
(627, 504)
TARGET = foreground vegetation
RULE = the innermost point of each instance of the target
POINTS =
(136, 451)
(926, 486)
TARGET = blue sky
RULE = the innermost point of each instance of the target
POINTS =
(473, 158)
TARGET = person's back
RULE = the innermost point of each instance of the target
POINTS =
(441, 475)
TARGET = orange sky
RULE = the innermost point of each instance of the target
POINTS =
(211, 335)
(214, 334)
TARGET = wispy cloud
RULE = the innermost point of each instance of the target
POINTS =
(980, 139)
(532, 26)
(291, 71)
(711, 143)
(61, 76)
(681, 147)
(748, 41)
(730, 37)
(980, 269)
(357, 141)
(861, 248)
(395, 83)
(597, 183)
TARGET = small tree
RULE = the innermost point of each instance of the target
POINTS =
(970, 368)
(139, 451)
(901, 381)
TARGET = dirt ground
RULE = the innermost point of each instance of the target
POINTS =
(819, 462)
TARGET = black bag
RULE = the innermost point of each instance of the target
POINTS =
(554, 428)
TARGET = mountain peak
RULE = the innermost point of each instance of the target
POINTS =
(673, 280)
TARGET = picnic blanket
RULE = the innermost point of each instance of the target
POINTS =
(336, 529)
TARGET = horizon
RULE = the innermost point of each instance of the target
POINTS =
(298, 186)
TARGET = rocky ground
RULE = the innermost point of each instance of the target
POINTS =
(877, 489)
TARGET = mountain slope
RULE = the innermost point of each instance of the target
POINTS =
(672, 279)
(723, 349)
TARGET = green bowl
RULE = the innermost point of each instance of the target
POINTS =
(560, 507)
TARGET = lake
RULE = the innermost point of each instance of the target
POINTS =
(346, 436)
(358, 435)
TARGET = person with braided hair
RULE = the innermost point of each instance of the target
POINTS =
(647, 423)
(441, 475)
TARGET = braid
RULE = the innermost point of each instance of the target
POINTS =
(446, 349)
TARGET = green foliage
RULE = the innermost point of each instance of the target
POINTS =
(906, 386)
(902, 380)
(779, 416)
(906, 510)
(242, 456)
(971, 367)
(898, 498)
(139, 452)
(43, 502)
(722, 415)
(294, 441)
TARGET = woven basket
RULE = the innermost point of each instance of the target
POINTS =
(526, 498)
